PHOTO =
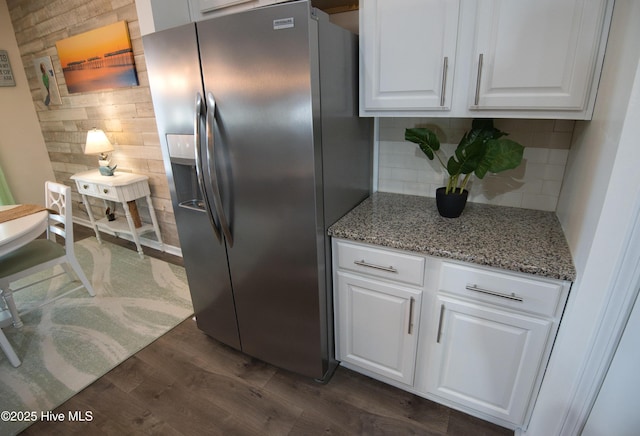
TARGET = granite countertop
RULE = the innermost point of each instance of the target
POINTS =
(524, 240)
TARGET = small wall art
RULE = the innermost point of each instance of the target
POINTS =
(99, 59)
(6, 73)
(47, 80)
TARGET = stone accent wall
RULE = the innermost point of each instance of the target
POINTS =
(125, 114)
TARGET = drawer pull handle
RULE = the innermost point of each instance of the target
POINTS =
(106, 191)
(411, 304)
(85, 186)
(439, 335)
(513, 296)
(374, 266)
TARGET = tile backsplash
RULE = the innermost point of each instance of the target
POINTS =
(535, 184)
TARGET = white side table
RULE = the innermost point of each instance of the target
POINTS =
(123, 188)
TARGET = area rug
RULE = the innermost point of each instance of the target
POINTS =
(67, 344)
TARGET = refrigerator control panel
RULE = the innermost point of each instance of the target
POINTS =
(181, 146)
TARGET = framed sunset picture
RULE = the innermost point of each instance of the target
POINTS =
(99, 59)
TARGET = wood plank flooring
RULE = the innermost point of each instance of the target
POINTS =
(186, 383)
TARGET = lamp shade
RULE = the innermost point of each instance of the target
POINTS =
(97, 142)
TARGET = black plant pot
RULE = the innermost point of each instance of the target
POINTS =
(452, 204)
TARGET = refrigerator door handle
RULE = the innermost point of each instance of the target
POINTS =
(198, 155)
(217, 200)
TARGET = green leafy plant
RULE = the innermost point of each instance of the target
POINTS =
(481, 150)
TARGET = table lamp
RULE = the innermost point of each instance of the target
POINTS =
(98, 143)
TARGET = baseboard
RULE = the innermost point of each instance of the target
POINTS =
(151, 243)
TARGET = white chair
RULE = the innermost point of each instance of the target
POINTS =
(42, 254)
(5, 320)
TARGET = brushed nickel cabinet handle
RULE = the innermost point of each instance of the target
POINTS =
(511, 296)
(411, 304)
(374, 266)
(439, 335)
(479, 78)
(445, 68)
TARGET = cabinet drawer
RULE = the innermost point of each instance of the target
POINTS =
(107, 192)
(97, 190)
(375, 262)
(535, 296)
(87, 188)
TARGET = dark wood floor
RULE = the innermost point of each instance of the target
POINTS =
(186, 383)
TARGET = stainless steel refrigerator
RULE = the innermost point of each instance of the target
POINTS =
(263, 149)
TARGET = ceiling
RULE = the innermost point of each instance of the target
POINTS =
(335, 6)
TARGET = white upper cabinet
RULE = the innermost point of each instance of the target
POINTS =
(157, 15)
(513, 59)
(408, 53)
(536, 54)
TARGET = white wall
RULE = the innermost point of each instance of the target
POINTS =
(23, 154)
(595, 142)
(602, 184)
(615, 411)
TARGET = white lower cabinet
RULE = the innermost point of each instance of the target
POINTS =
(473, 338)
(378, 325)
(485, 358)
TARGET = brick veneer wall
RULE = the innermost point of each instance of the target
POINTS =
(125, 114)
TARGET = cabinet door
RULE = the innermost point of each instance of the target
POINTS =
(408, 53)
(536, 54)
(486, 358)
(377, 326)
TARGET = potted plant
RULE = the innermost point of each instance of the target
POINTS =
(481, 150)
